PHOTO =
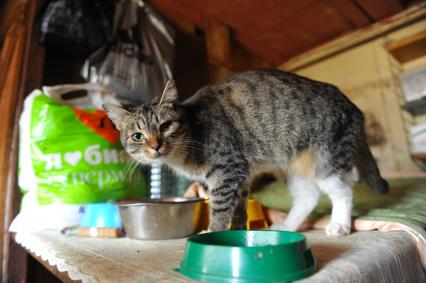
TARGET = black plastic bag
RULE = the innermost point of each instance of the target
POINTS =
(76, 26)
(138, 62)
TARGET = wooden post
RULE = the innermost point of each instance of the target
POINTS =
(20, 68)
(219, 50)
(224, 54)
(8, 99)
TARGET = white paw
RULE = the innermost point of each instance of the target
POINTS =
(337, 229)
(279, 226)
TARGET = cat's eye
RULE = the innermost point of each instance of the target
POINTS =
(165, 126)
(137, 137)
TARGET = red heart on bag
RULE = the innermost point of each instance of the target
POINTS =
(100, 123)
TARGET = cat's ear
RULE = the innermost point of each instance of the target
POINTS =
(117, 114)
(170, 94)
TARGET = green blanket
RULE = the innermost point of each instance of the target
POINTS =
(405, 203)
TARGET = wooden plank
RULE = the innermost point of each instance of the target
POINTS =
(225, 54)
(243, 59)
(182, 17)
(218, 73)
(352, 13)
(16, 264)
(13, 87)
(219, 50)
(6, 53)
(61, 275)
(8, 14)
(277, 30)
(6, 62)
(218, 44)
(419, 156)
(256, 19)
(416, 107)
(17, 272)
(380, 9)
(352, 39)
(296, 33)
(391, 93)
(190, 68)
(409, 48)
(270, 53)
(8, 101)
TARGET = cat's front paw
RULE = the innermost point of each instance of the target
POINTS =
(337, 229)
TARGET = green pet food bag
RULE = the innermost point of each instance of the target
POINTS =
(70, 155)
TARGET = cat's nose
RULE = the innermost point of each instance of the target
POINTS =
(154, 143)
(156, 146)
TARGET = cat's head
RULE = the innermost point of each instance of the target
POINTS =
(151, 132)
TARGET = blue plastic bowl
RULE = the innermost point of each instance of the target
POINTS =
(101, 215)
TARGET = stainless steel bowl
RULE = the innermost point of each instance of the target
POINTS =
(163, 218)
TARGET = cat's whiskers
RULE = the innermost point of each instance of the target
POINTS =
(188, 148)
(193, 144)
(131, 165)
(128, 166)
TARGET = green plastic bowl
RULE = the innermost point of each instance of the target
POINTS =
(247, 256)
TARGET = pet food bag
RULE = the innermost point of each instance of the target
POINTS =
(69, 155)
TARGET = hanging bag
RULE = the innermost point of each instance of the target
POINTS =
(77, 26)
(138, 62)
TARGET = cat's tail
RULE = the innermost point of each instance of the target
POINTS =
(367, 168)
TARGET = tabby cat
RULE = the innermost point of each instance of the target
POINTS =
(225, 133)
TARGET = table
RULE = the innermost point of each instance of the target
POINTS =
(360, 257)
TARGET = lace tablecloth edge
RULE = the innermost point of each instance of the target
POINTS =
(73, 272)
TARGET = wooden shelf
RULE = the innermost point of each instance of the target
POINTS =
(409, 48)
(416, 107)
(418, 156)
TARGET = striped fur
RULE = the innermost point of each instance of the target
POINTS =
(223, 133)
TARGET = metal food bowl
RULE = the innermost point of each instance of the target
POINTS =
(162, 218)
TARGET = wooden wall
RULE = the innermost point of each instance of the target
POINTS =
(368, 74)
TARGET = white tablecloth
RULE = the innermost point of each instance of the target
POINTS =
(360, 257)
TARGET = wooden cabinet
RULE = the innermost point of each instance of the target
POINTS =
(410, 53)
